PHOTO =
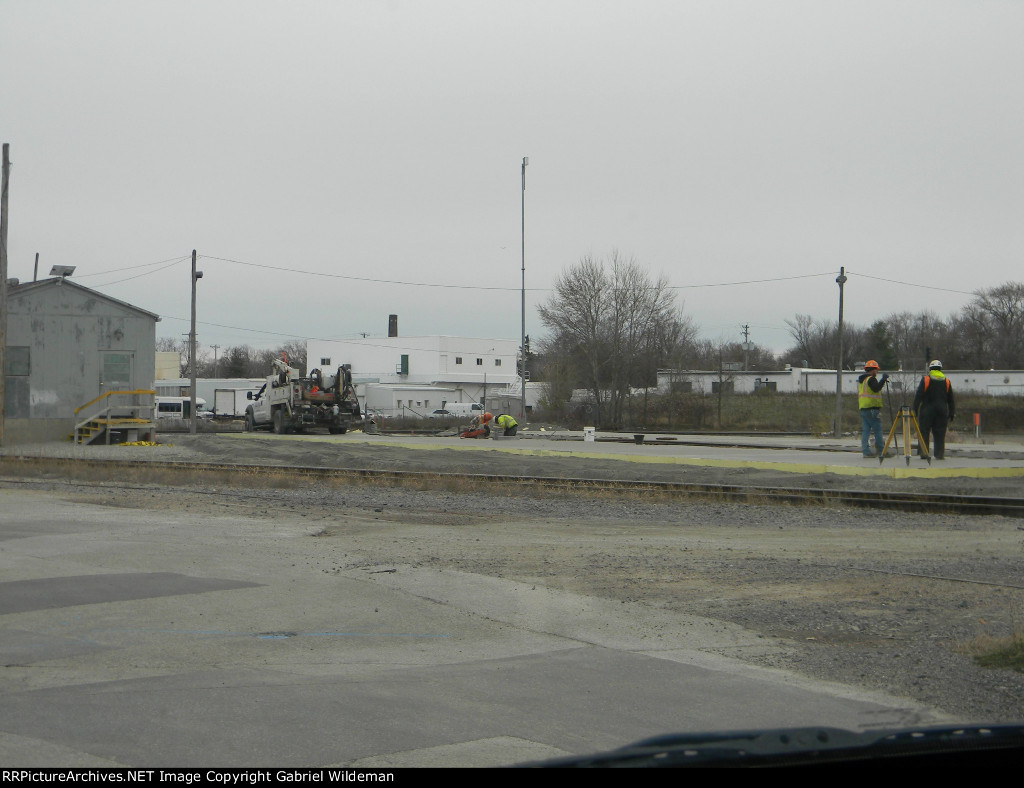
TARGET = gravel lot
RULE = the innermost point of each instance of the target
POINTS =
(884, 600)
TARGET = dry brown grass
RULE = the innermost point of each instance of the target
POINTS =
(1006, 652)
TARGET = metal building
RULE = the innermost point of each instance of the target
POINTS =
(66, 346)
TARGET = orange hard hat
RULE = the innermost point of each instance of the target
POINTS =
(871, 365)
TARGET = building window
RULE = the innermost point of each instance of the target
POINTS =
(117, 371)
(497, 362)
(458, 359)
(16, 361)
(479, 362)
(426, 403)
(16, 403)
(325, 362)
(725, 387)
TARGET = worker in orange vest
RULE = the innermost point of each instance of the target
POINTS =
(934, 408)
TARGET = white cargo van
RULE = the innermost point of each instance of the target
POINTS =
(179, 408)
(463, 409)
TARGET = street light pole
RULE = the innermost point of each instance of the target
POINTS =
(522, 335)
(840, 280)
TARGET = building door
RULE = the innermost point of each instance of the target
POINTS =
(117, 372)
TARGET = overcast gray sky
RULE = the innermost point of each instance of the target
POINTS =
(716, 142)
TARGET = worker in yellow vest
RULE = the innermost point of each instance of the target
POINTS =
(507, 423)
(869, 400)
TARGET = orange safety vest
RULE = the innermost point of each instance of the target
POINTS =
(928, 377)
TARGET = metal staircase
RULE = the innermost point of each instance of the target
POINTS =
(128, 415)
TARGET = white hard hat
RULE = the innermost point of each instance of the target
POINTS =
(936, 364)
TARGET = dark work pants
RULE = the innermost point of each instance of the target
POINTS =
(933, 426)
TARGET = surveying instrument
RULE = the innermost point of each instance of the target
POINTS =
(906, 419)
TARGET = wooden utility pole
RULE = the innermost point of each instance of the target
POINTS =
(3, 285)
(522, 336)
(840, 280)
(196, 275)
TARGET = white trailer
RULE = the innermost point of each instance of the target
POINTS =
(231, 403)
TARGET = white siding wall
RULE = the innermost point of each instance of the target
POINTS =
(823, 381)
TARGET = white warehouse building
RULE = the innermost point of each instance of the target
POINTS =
(823, 381)
(413, 376)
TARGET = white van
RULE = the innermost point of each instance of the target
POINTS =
(463, 409)
(178, 408)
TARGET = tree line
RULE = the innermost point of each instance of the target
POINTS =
(236, 361)
(612, 326)
(988, 333)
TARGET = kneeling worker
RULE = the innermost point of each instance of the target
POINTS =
(479, 427)
(507, 423)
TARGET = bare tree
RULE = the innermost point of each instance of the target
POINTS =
(817, 342)
(998, 314)
(295, 351)
(610, 317)
(559, 378)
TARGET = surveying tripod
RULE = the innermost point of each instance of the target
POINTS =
(907, 418)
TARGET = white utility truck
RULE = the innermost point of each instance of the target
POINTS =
(289, 402)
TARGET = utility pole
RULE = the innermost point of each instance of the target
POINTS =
(746, 344)
(522, 335)
(3, 284)
(840, 280)
(215, 347)
(196, 276)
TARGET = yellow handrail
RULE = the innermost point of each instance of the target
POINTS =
(108, 393)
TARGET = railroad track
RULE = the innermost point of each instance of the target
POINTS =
(191, 472)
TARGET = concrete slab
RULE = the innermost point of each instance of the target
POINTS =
(284, 660)
(791, 454)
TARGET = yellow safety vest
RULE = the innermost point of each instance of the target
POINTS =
(938, 376)
(866, 398)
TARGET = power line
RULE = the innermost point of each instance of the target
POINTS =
(911, 284)
(481, 287)
(751, 281)
(283, 334)
(133, 267)
(175, 260)
(147, 273)
(359, 278)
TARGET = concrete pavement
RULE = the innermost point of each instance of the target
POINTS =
(787, 453)
(162, 638)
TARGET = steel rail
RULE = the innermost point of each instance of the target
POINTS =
(875, 499)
